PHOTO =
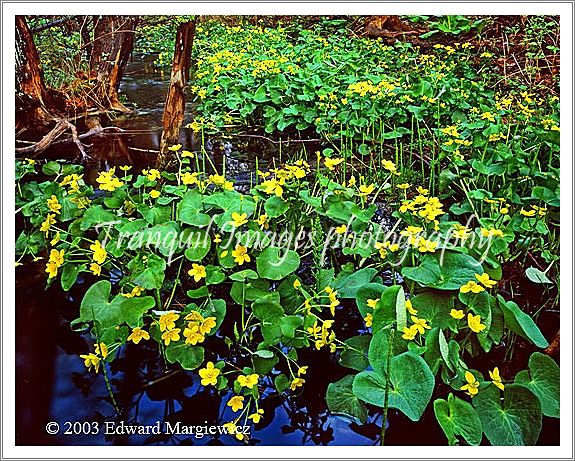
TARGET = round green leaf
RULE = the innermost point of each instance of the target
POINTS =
(188, 356)
(274, 263)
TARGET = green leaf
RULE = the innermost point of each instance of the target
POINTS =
(188, 356)
(281, 383)
(97, 215)
(147, 271)
(275, 206)
(70, 275)
(260, 94)
(190, 210)
(378, 347)
(458, 417)
(521, 323)
(348, 285)
(355, 357)
(435, 307)
(515, 421)
(274, 263)
(341, 399)
(96, 306)
(242, 276)
(156, 214)
(543, 380)
(214, 308)
(51, 168)
(365, 292)
(411, 386)
(384, 313)
(537, 276)
(400, 310)
(444, 272)
(289, 324)
(198, 244)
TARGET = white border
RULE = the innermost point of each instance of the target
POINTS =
(9, 450)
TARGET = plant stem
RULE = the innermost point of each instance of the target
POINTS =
(387, 380)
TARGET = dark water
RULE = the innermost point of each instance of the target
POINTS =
(54, 386)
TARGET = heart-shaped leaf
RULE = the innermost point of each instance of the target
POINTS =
(188, 356)
(543, 380)
(341, 399)
(515, 421)
(458, 417)
(274, 263)
(97, 306)
(411, 385)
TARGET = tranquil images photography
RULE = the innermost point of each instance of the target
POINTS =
(287, 230)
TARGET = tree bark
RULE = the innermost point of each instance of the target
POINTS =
(176, 100)
(34, 106)
(113, 44)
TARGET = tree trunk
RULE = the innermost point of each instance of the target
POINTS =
(176, 101)
(34, 106)
(113, 44)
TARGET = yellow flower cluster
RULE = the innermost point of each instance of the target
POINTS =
(425, 207)
(322, 335)
(56, 260)
(198, 327)
(418, 326)
(274, 185)
(333, 301)
(167, 323)
(367, 86)
(108, 181)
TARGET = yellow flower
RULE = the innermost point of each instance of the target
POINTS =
(100, 253)
(528, 214)
(471, 286)
(419, 324)
(187, 153)
(209, 375)
(91, 360)
(175, 147)
(368, 319)
(96, 268)
(422, 191)
(240, 254)
(108, 181)
(404, 186)
(197, 271)
(217, 238)
(494, 375)
(236, 402)
(331, 163)
(126, 167)
(389, 166)
(233, 430)
(54, 205)
(341, 229)
(472, 386)
(410, 308)
(256, 417)
(296, 284)
(48, 222)
(409, 333)
(474, 322)
(155, 193)
(426, 246)
(302, 370)
(56, 239)
(207, 325)
(364, 190)
(171, 335)
(297, 382)
(457, 314)
(138, 334)
(372, 303)
(238, 219)
(193, 334)
(491, 232)
(152, 174)
(485, 280)
(168, 320)
(263, 221)
(248, 381)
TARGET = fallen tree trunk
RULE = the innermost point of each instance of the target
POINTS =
(176, 100)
